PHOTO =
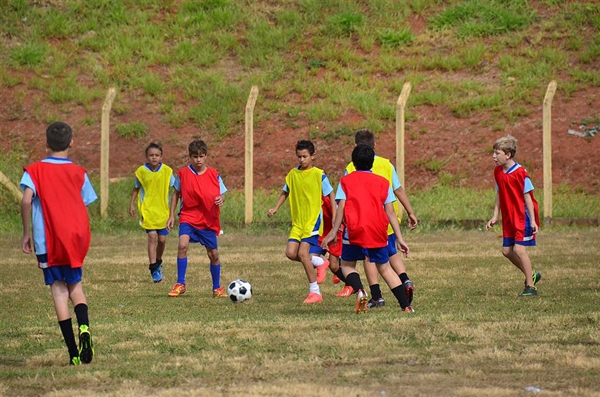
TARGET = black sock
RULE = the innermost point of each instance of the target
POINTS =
(159, 262)
(66, 327)
(403, 277)
(353, 280)
(153, 266)
(400, 296)
(375, 291)
(340, 274)
(81, 312)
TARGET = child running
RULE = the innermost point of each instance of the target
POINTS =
(365, 204)
(202, 194)
(305, 185)
(520, 219)
(55, 195)
(151, 191)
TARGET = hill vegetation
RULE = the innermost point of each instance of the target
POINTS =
(478, 69)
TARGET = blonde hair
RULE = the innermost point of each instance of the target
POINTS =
(508, 144)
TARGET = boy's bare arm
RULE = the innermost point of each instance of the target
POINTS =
(282, 197)
(403, 198)
(391, 214)
(26, 219)
(134, 195)
(333, 206)
(531, 212)
(339, 218)
(494, 218)
(174, 200)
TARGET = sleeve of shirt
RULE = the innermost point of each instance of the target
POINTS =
(286, 188)
(395, 180)
(172, 181)
(177, 183)
(391, 196)
(222, 188)
(88, 194)
(340, 194)
(27, 182)
(136, 183)
(528, 186)
(326, 186)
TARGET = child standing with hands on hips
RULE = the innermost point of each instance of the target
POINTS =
(55, 195)
(151, 191)
(520, 219)
(202, 194)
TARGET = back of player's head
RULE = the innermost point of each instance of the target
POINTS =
(364, 136)
(363, 157)
(59, 136)
(197, 147)
(508, 144)
(305, 145)
(153, 145)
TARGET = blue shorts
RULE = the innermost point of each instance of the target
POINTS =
(312, 240)
(391, 247)
(206, 237)
(317, 250)
(59, 273)
(160, 232)
(352, 253)
(510, 242)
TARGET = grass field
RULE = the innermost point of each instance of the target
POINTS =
(470, 336)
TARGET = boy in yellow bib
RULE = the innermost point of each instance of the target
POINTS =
(151, 191)
(305, 185)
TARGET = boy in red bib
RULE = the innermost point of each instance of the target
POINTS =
(365, 204)
(202, 194)
(55, 195)
(520, 219)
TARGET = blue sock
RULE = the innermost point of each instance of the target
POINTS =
(215, 272)
(181, 269)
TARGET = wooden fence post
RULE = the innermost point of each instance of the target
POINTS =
(16, 192)
(400, 106)
(547, 150)
(249, 156)
(104, 151)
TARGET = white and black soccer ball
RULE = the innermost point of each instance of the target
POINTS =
(239, 290)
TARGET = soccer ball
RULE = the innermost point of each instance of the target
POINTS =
(239, 290)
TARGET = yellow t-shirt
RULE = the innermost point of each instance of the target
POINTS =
(382, 167)
(153, 198)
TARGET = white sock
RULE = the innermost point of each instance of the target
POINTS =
(316, 260)
(314, 288)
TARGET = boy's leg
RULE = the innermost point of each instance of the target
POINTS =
(60, 295)
(398, 266)
(291, 250)
(215, 272)
(160, 248)
(78, 299)
(519, 257)
(393, 281)
(182, 262)
(354, 281)
(153, 255)
(152, 243)
(304, 256)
